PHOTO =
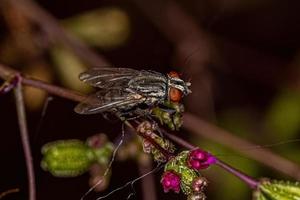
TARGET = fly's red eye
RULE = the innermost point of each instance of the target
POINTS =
(175, 94)
(173, 74)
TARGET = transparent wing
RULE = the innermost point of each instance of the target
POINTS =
(108, 77)
(108, 100)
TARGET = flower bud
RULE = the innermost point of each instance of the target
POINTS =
(191, 181)
(170, 181)
(199, 159)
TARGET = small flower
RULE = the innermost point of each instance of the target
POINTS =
(170, 181)
(199, 159)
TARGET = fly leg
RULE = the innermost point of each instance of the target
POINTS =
(155, 125)
(129, 118)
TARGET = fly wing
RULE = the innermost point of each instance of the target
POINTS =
(108, 77)
(108, 100)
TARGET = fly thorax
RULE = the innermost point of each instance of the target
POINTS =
(149, 86)
(177, 87)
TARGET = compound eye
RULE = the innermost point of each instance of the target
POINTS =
(175, 95)
(173, 74)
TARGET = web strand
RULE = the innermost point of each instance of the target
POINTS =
(109, 166)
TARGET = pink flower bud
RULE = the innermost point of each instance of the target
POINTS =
(170, 181)
(199, 159)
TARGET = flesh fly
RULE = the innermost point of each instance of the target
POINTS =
(124, 90)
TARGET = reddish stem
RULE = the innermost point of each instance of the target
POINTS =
(25, 140)
(251, 182)
(206, 128)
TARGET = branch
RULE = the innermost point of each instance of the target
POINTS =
(6, 73)
(244, 177)
(191, 123)
(250, 181)
(25, 140)
(264, 156)
(7, 192)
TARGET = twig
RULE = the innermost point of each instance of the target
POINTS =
(168, 155)
(191, 123)
(250, 181)
(264, 156)
(10, 191)
(25, 140)
(7, 73)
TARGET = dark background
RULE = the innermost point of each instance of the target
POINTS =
(253, 73)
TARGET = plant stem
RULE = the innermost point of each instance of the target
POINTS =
(7, 73)
(209, 131)
(166, 153)
(10, 191)
(25, 139)
(191, 123)
(251, 182)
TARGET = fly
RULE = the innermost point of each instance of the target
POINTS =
(124, 90)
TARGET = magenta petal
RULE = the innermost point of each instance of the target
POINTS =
(170, 181)
(199, 159)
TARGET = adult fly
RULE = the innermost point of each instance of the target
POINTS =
(124, 90)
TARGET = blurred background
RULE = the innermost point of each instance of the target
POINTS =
(241, 56)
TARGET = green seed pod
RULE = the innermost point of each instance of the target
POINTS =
(277, 190)
(67, 158)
